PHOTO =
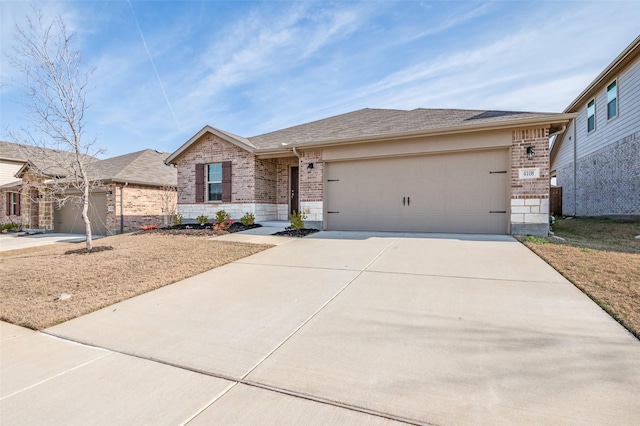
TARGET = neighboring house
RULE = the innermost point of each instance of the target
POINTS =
(596, 161)
(424, 170)
(129, 191)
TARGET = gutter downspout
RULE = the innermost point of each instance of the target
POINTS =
(122, 207)
(296, 154)
(559, 131)
(575, 170)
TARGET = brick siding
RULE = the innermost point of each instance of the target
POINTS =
(212, 149)
(608, 182)
(311, 183)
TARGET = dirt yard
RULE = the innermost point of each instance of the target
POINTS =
(33, 278)
(602, 258)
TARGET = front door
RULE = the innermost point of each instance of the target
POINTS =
(293, 199)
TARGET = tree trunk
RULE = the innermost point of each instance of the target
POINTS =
(85, 212)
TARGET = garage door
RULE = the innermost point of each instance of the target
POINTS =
(462, 192)
(68, 218)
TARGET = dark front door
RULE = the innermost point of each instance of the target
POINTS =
(293, 199)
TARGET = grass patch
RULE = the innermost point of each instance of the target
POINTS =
(536, 240)
(33, 278)
(602, 258)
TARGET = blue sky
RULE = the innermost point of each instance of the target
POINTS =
(165, 69)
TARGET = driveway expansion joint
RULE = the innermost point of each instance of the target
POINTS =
(233, 383)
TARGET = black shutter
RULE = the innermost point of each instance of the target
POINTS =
(226, 182)
(8, 205)
(199, 183)
(18, 204)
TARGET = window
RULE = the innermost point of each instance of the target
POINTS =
(214, 182)
(612, 100)
(13, 204)
(591, 115)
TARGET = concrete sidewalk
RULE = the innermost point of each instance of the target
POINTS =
(338, 328)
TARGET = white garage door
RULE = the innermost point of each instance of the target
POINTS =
(460, 193)
(68, 218)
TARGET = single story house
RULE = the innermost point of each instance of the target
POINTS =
(423, 170)
(128, 191)
(596, 161)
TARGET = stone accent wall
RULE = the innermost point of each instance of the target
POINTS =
(313, 210)
(212, 149)
(530, 197)
(311, 183)
(262, 211)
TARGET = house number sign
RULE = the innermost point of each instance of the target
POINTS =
(530, 173)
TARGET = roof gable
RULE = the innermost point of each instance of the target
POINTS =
(239, 141)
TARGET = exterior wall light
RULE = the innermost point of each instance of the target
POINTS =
(309, 167)
(530, 152)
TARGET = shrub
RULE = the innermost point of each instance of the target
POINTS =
(222, 226)
(248, 219)
(222, 216)
(297, 220)
(202, 219)
(148, 227)
(176, 219)
(10, 226)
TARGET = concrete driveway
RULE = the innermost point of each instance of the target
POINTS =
(20, 241)
(337, 328)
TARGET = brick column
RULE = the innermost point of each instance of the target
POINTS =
(530, 182)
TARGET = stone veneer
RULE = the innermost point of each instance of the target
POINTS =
(530, 197)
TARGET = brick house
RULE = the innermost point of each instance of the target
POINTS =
(424, 170)
(596, 161)
(128, 191)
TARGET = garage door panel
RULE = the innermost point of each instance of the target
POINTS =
(68, 218)
(442, 193)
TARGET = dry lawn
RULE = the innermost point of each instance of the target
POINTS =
(602, 258)
(33, 278)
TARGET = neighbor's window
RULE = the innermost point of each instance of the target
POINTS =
(591, 115)
(214, 182)
(14, 207)
(612, 100)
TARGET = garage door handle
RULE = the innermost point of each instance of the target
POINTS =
(497, 211)
(408, 201)
(403, 200)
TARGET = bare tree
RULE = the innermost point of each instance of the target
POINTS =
(56, 87)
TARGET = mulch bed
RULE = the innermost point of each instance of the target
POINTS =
(196, 230)
(85, 251)
(299, 233)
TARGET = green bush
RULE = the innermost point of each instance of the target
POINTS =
(297, 220)
(176, 219)
(222, 216)
(202, 219)
(10, 226)
(248, 219)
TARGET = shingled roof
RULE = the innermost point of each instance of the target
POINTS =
(145, 167)
(380, 124)
(49, 162)
(385, 122)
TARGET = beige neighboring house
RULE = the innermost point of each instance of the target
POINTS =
(129, 191)
(424, 170)
(596, 162)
